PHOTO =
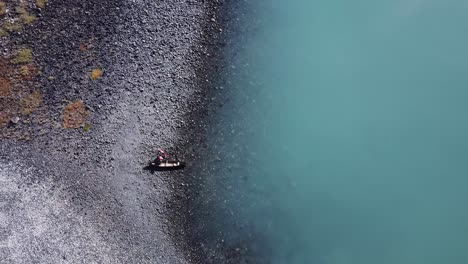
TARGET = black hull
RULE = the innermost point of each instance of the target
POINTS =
(154, 166)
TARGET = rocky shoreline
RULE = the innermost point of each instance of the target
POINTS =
(130, 76)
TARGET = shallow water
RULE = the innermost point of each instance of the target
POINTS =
(345, 136)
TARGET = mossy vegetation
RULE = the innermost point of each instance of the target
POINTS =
(20, 97)
(28, 19)
(74, 115)
(21, 9)
(41, 3)
(24, 15)
(95, 74)
(12, 26)
(22, 56)
(30, 103)
(20, 17)
(28, 71)
(24, 70)
(17, 100)
(86, 127)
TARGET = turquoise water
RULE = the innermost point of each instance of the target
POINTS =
(345, 136)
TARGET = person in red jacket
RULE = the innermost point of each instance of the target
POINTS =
(161, 155)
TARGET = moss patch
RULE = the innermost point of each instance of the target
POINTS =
(41, 3)
(24, 70)
(21, 9)
(22, 56)
(28, 19)
(30, 103)
(24, 15)
(86, 127)
(95, 74)
(28, 71)
(74, 115)
(20, 18)
(12, 26)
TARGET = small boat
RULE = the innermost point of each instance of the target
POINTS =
(168, 164)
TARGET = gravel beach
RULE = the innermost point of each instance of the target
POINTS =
(102, 85)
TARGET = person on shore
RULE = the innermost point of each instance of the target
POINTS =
(161, 156)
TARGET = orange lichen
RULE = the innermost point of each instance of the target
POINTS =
(31, 102)
(95, 74)
(84, 47)
(2, 8)
(8, 109)
(4, 68)
(5, 86)
(4, 118)
(74, 115)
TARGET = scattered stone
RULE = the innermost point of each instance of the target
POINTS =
(15, 120)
